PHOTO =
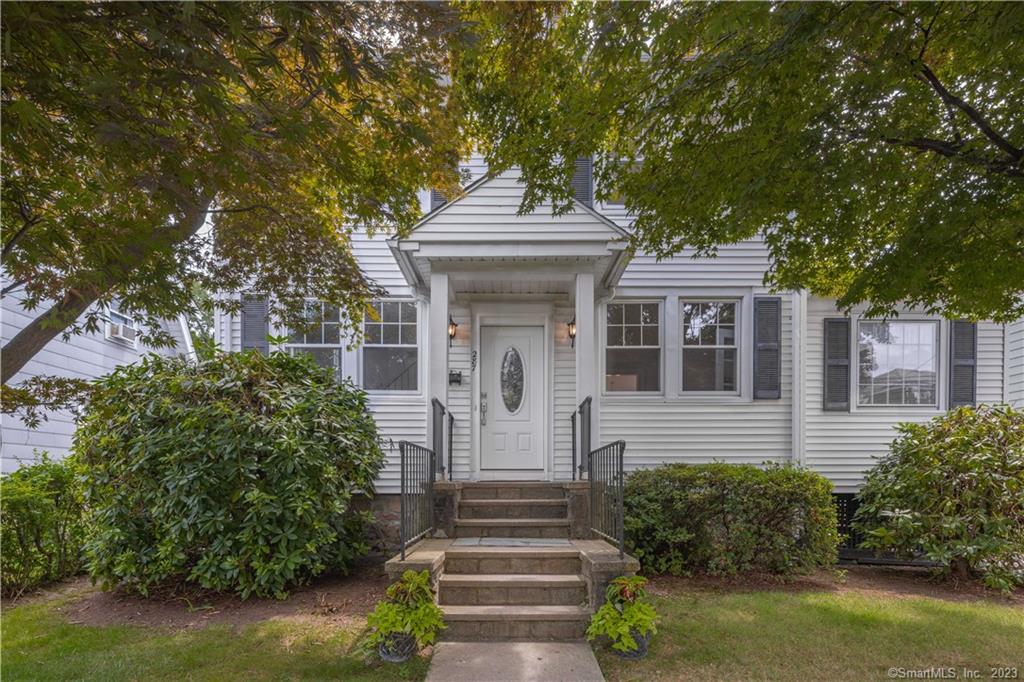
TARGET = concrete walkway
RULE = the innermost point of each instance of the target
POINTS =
(514, 662)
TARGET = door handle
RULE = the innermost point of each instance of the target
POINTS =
(483, 409)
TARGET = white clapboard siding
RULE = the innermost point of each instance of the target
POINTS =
(689, 430)
(1015, 363)
(489, 213)
(843, 445)
(742, 264)
(459, 397)
(565, 391)
(398, 419)
(84, 356)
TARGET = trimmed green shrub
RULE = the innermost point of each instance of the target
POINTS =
(41, 524)
(724, 519)
(233, 473)
(952, 490)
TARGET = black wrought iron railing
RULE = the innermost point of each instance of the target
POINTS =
(442, 430)
(607, 479)
(417, 498)
(580, 420)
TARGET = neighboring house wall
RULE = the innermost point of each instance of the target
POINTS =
(1015, 363)
(85, 356)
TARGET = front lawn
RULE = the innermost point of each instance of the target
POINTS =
(852, 630)
(818, 628)
(40, 644)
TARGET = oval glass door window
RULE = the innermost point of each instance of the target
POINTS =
(513, 376)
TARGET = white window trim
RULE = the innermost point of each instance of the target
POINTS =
(419, 346)
(671, 368)
(108, 323)
(739, 335)
(662, 337)
(941, 369)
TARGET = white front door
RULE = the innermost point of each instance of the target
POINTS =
(512, 398)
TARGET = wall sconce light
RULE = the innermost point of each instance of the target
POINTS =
(451, 330)
(572, 331)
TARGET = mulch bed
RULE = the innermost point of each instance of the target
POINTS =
(329, 599)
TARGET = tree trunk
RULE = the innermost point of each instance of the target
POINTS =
(40, 332)
(45, 327)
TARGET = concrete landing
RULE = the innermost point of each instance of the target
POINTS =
(513, 662)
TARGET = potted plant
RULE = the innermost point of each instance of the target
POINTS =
(625, 618)
(407, 619)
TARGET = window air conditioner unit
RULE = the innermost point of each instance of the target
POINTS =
(123, 332)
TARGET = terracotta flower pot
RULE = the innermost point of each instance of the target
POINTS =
(397, 648)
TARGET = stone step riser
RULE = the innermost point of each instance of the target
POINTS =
(470, 630)
(518, 596)
(513, 492)
(513, 564)
(547, 532)
(559, 511)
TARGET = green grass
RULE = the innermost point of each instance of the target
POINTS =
(703, 635)
(38, 644)
(777, 635)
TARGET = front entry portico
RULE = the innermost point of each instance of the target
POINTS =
(510, 284)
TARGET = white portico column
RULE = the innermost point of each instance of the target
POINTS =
(437, 345)
(586, 348)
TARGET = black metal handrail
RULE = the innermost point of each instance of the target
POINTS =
(607, 480)
(416, 514)
(438, 423)
(583, 410)
(451, 430)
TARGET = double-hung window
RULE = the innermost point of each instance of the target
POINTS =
(710, 347)
(390, 352)
(633, 347)
(321, 337)
(897, 363)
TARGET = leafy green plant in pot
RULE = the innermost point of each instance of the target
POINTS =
(625, 618)
(407, 620)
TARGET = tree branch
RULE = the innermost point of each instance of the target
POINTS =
(971, 113)
(36, 334)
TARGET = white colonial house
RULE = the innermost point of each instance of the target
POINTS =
(511, 321)
(84, 356)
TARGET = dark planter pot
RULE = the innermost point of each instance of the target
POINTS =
(643, 641)
(397, 648)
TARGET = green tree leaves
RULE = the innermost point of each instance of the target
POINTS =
(876, 148)
(129, 125)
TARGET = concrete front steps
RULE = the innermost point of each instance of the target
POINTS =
(513, 570)
(494, 592)
(513, 592)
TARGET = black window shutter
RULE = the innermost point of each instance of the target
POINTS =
(837, 365)
(255, 324)
(963, 363)
(767, 347)
(583, 181)
(436, 200)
